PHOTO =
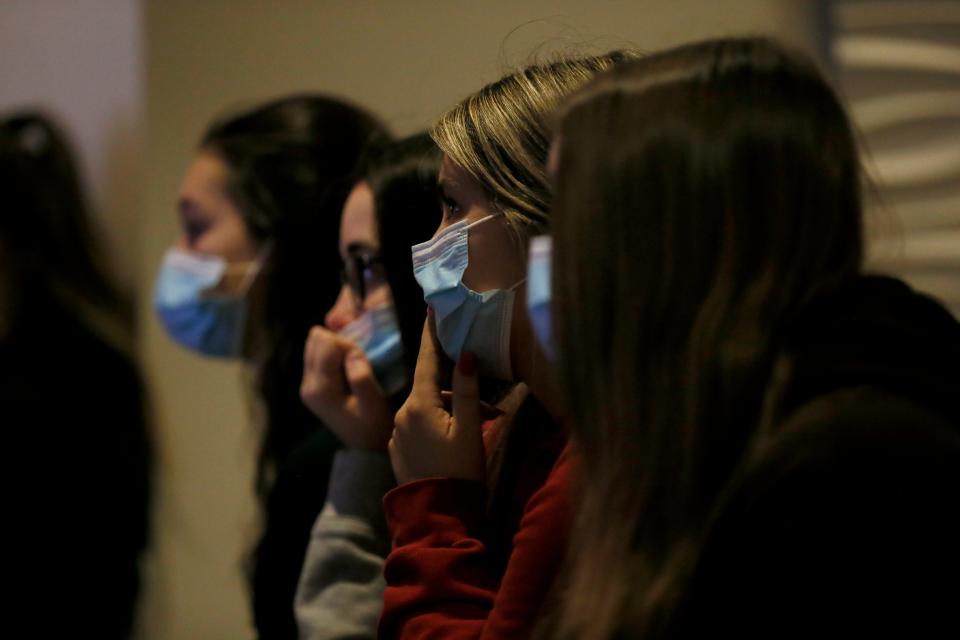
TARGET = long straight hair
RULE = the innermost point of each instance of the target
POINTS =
(292, 162)
(403, 178)
(703, 195)
(49, 244)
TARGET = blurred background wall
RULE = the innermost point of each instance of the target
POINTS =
(898, 62)
(82, 62)
(100, 64)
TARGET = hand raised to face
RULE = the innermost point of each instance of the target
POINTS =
(339, 387)
(428, 440)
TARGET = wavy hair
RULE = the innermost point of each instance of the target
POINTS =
(403, 178)
(501, 135)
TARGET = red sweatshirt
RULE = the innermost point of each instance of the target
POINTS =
(459, 570)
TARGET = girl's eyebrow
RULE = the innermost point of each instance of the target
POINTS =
(360, 247)
(447, 183)
(186, 206)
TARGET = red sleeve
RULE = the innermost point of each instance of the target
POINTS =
(440, 582)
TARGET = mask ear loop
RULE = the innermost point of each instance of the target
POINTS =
(519, 282)
(251, 268)
(482, 220)
(509, 309)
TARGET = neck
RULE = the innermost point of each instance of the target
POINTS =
(530, 365)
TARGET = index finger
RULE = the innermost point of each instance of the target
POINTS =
(329, 350)
(426, 376)
(487, 410)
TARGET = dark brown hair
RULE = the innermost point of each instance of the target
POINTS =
(403, 178)
(292, 162)
(50, 245)
(703, 195)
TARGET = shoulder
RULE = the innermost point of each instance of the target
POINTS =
(848, 508)
(845, 518)
(851, 451)
(857, 428)
(549, 510)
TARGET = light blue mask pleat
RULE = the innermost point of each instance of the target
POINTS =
(209, 324)
(438, 267)
(465, 320)
(538, 293)
(211, 327)
(377, 333)
(186, 276)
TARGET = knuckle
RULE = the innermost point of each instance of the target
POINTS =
(316, 334)
(401, 418)
(319, 391)
(322, 345)
(414, 412)
(411, 414)
(358, 374)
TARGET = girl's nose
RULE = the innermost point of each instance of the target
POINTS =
(343, 312)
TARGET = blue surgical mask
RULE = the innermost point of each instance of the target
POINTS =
(377, 333)
(196, 317)
(466, 320)
(538, 294)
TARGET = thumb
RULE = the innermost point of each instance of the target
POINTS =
(466, 400)
(360, 377)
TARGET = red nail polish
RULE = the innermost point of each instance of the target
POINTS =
(467, 365)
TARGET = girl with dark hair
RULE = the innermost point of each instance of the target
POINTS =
(254, 268)
(357, 371)
(769, 437)
(73, 400)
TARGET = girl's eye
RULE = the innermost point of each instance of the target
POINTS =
(450, 207)
(372, 276)
(194, 229)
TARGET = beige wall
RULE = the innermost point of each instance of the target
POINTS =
(407, 60)
(899, 66)
(82, 63)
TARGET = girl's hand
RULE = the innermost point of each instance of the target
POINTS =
(428, 440)
(339, 387)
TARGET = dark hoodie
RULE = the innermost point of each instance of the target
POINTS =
(847, 519)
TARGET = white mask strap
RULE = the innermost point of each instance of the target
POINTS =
(522, 280)
(252, 266)
(481, 220)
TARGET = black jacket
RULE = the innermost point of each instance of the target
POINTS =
(847, 520)
(77, 471)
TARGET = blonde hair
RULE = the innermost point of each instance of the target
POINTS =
(501, 135)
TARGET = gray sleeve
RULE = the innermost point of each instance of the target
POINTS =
(340, 593)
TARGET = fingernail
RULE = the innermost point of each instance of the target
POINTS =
(467, 364)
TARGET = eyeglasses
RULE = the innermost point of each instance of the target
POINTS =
(361, 271)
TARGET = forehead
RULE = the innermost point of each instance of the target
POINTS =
(206, 179)
(358, 224)
(454, 177)
(207, 171)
